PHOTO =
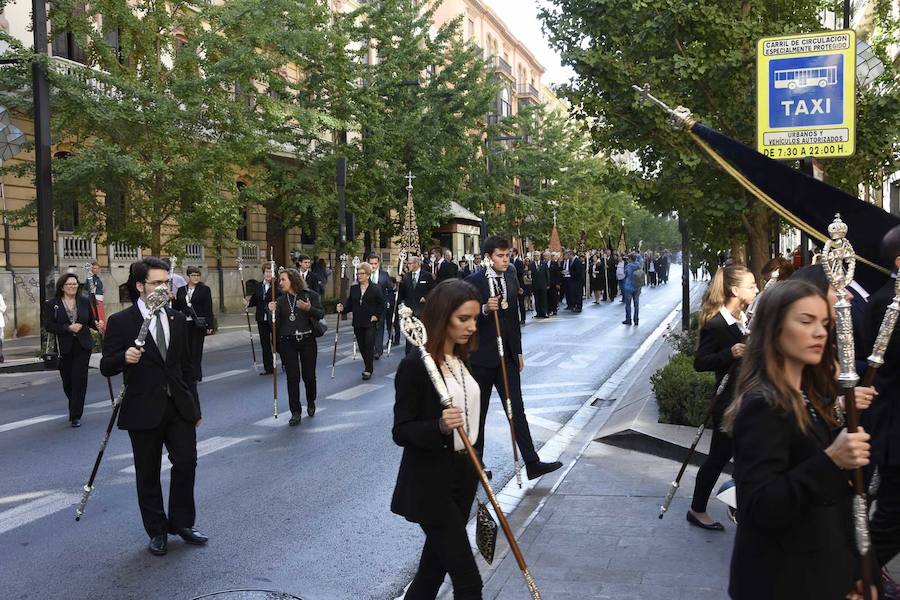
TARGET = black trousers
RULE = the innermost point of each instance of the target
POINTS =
(73, 370)
(265, 340)
(552, 299)
(195, 343)
(575, 293)
(885, 524)
(720, 452)
(613, 288)
(540, 302)
(521, 303)
(298, 358)
(489, 378)
(365, 340)
(447, 547)
(180, 439)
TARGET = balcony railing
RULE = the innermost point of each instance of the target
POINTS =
(193, 253)
(85, 75)
(503, 67)
(120, 252)
(249, 253)
(75, 249)
(528, 91)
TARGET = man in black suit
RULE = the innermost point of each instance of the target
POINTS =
(556, 283)
(882, 419)
(260, 299)
(443, 266)
(160, 406)
(414, 288)
(576, 282)
(540, 281)
(519, 266)
(313, 281)
(498, 289)
(382, 280)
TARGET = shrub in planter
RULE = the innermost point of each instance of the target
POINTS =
(682, 394)
(685, 342)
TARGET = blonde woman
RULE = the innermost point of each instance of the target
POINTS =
(723, 328)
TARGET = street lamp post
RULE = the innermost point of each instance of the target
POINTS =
(43, 180)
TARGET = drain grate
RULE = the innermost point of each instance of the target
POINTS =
(603, 402)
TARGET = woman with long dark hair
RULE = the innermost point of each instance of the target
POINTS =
(723, 327)
(68, 317)
(795, 536)
(436, 483)
(296, 309)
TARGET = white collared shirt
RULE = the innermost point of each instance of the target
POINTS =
(469, 400)
(490, 272)
(414, 276)
(730, 320)
(142, 306)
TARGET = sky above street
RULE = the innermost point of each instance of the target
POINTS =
(521, 16)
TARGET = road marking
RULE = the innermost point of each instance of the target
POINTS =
(542, 422)
(545, 410)
(208, 446)
(218, 376)
(355, 392)
(566, 394)
(27, 422)
(537, 386)
(26, 496)
(271, 421)
(36, 509)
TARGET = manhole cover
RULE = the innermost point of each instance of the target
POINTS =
(249, 595)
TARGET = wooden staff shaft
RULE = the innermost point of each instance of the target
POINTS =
(865, 559)
(508, 403)
(337, 329)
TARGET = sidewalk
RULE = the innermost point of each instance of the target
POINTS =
(595, 533)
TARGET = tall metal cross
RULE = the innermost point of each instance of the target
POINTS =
(409, 177)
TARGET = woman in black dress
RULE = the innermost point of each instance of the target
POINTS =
(296, 309)
(795, 537)
(722, 329)
(436, 482)
(195, 301)
(68, 317)
(366, 303)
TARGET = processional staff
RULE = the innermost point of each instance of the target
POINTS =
(275, 281)
(92, 294)
(240, 266)
(414, 331)
(839, 264)
(356, 262)
(337, 327)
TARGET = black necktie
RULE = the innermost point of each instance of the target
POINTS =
(161, 337)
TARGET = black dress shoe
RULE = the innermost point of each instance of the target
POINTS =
(76, 422)
(264, 373)
(295, 420)
(159, 544)
(635, 322)
(378, 356)
(537, 468)
(698, 523)
(626, 322)
(366, 375)
(191, 536)
(311, 408)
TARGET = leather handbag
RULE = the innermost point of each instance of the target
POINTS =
(485, 532)
(319, 327)
(50, 355)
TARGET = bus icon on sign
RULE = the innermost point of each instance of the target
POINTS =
(793, 79)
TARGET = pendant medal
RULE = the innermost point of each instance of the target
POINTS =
(504, 304)
(292, 317)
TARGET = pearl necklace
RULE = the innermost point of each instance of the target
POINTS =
(460, 379)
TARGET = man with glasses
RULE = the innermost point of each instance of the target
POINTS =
(160, 406)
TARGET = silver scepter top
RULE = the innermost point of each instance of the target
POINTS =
(886, 330)
(414, 330)
(839, 263)
(679, 117)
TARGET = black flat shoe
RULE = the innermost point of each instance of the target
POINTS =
(76, 422)
(311, 408)
(698, 523)
(538, 468)
(191, 536)
(626, 322)
(159, 545)
(294, 421)
(366, 375)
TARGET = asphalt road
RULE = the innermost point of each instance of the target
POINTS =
(300, 509)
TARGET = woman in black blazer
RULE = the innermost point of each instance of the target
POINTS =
(195, 301)
(366, 303)
(721, 344)
(295, 310)
(68, 316)
(436, 482)
(794, 538)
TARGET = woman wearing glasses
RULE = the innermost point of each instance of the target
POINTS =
(68, 318)
(195, 301)
(366, 303)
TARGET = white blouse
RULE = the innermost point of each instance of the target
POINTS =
(466, 395)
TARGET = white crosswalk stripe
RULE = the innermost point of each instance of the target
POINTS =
(36, 509)
(208, 446)
(355, 392)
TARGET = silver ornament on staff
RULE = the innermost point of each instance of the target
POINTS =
(414, 331)
(156, 301)
(839, 263)
(274, 334)
(240, 267)
(885, 331)
(356, 262)
(401, 262)
(337, 328)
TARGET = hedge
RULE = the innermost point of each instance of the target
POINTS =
(682, 394)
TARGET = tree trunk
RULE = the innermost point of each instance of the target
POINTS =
(156, 239)
(275, 236)
(757, 223)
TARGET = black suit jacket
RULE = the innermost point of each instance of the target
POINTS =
(882, 419)
(795, 538)
(519, 265)
(556, 277)
(446, 270)
(576, 269)
(486, 354)
(714, 348)
(423, 492)
(365, 307)
(201, 302)
(411, 293)
(301, 322)
(56, 320)
(146, 382)
(313, 281)
(387, 289)
(540, 276)
(260, 299)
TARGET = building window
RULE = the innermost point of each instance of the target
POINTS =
(895, 197)
(471, 30)
(505, 107)
(111, 36)
(241, 233)
(66, 206)
(115, 210)
(64, 45)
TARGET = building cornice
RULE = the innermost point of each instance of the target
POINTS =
(500, 25)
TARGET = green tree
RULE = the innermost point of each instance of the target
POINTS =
(701, 55)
